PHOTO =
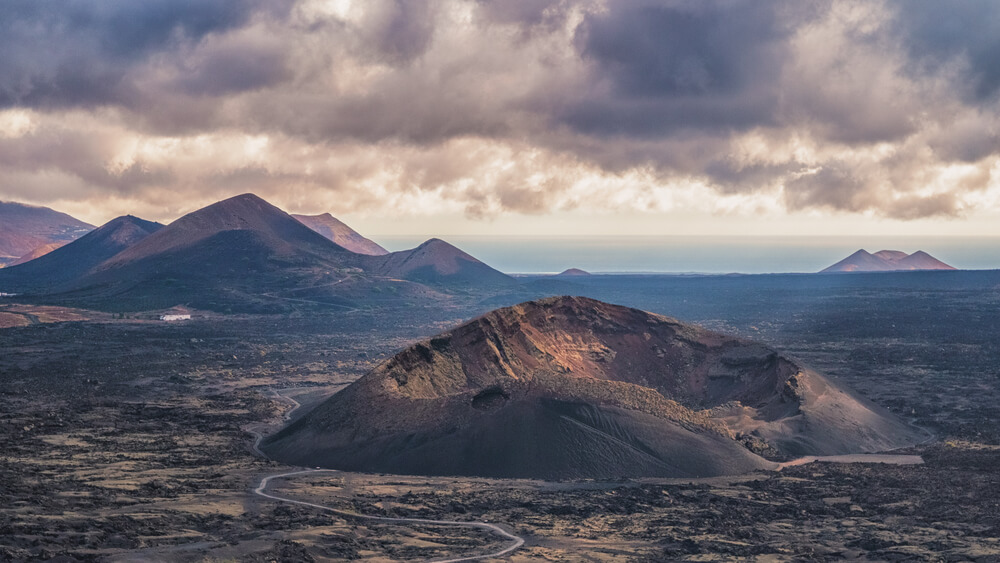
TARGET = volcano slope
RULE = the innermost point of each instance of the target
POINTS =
(569, 387)
(243, 255)
(338, 232)
(78, 257)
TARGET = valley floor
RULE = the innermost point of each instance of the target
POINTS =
(126, 440)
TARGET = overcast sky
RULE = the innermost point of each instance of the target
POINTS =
(513, 116)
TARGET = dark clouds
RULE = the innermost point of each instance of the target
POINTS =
(232, 65)
(530, 106)
(83, 53)
(684, 51)
(964, 34)
(401, 30)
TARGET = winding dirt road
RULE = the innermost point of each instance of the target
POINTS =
(261, 490)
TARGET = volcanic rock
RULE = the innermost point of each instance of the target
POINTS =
(570, 387)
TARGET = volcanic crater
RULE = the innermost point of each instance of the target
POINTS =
(570, 387)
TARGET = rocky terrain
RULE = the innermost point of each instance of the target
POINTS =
(137, 449)
(140, 443)
(818, 512)
(570, 387)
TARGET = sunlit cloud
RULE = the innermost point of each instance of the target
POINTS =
(483, 109)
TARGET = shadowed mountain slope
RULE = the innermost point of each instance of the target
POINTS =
(218, 257)
(244, 255)
(338, 232)
(75, 259)
(23, 228)
(569, 387)
(887, 261)
(279, 235)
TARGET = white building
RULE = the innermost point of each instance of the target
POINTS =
(169, 318)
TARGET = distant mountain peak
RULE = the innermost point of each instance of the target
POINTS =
(78, 257)
(891, 255)
(440, 262)
(887, 261)
(574, 272)
(28, 229)
(438, 243)
(247, 198)
(277, 232)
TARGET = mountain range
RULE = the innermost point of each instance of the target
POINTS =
(887, 261)
(244, 254)
(240, 254)
(570, 387)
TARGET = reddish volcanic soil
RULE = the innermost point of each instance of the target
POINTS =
(338, 232)
(39, 252)
(23, 228)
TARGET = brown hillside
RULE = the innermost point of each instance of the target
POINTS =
(439, 263)
(276, 231)
(23, 228)
(241, 255)
(75, 259)
(39, 252)
(570, 387)
(337, 231)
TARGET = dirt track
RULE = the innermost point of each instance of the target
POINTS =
(261, 490)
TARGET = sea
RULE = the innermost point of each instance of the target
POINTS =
(705, 255)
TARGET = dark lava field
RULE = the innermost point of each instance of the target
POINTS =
(128, 439)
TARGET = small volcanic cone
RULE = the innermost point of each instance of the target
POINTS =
(569, 387)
